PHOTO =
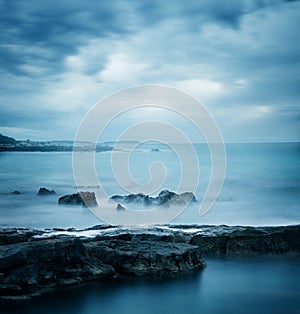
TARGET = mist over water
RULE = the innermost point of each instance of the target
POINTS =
(261, 188)
(261, 185)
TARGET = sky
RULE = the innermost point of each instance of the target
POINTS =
(240, 59)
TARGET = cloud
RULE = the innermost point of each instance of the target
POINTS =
(59, 58)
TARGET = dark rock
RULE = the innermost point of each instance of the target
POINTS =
(147, 258)
(32, 260)
(13, 235)
(16, 193)
(188, 197)
(81, 198)
(165, 198)
(33, 266)
(248, 240)
(120, 207)
(44, 191)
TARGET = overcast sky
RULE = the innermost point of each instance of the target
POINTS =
(241, 59)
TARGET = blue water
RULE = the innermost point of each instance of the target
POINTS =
(253, 285)
(261, 185)
(261, 188)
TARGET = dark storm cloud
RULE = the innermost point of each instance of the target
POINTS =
(44, 33)
(196, 12)
(59, 57)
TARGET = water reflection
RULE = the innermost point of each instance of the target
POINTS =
(235, 285)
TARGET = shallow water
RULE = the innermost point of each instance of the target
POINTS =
(235, 285)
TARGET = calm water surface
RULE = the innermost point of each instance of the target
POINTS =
(261, 188)
(262, 185)
(252, 285)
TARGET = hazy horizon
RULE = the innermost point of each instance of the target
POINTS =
(114, 141)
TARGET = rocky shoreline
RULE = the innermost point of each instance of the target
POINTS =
(32, 261)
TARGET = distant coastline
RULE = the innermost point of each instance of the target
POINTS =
(9, 144)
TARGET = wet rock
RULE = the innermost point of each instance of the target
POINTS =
(120, 207)
(188, 197)
(30, 266)
(165, 198)
(81, 198)
(14, 235)
(36, 265)
(239, 240)
(32, 260)
(147, 258)
(16, 193)
(45, 191)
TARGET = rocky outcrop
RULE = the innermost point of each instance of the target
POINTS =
(81, 198)
(33, 266)
(45, 191)
(165, 198)
(120, 207)
(238, 240)
(15, 193)
(34, 260)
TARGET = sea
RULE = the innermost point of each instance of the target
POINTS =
(261, 187)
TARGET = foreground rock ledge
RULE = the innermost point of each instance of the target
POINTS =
(33, 266)
(34, 260)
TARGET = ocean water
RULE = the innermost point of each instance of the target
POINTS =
(259, 285)
(261, 186)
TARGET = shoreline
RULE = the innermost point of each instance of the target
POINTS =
(33, 261)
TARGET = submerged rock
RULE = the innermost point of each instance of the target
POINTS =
(44, 191)
(165, 198)
(81, 198)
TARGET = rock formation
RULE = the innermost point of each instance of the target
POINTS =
(44, 191)
(120, 207)
(16, 193)
(33, 266)
(165, 198)
(81, 198)
(34, 260)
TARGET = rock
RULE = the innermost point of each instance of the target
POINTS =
(33, 266)
(237, 240)
(13, 235)
(147, 258)
(34, 260)
(81, 198)
(16, 193)
(188, 197)
(44, 191)
(165, 198)
(120, 207)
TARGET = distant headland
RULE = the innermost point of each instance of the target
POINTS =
(9, 144)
